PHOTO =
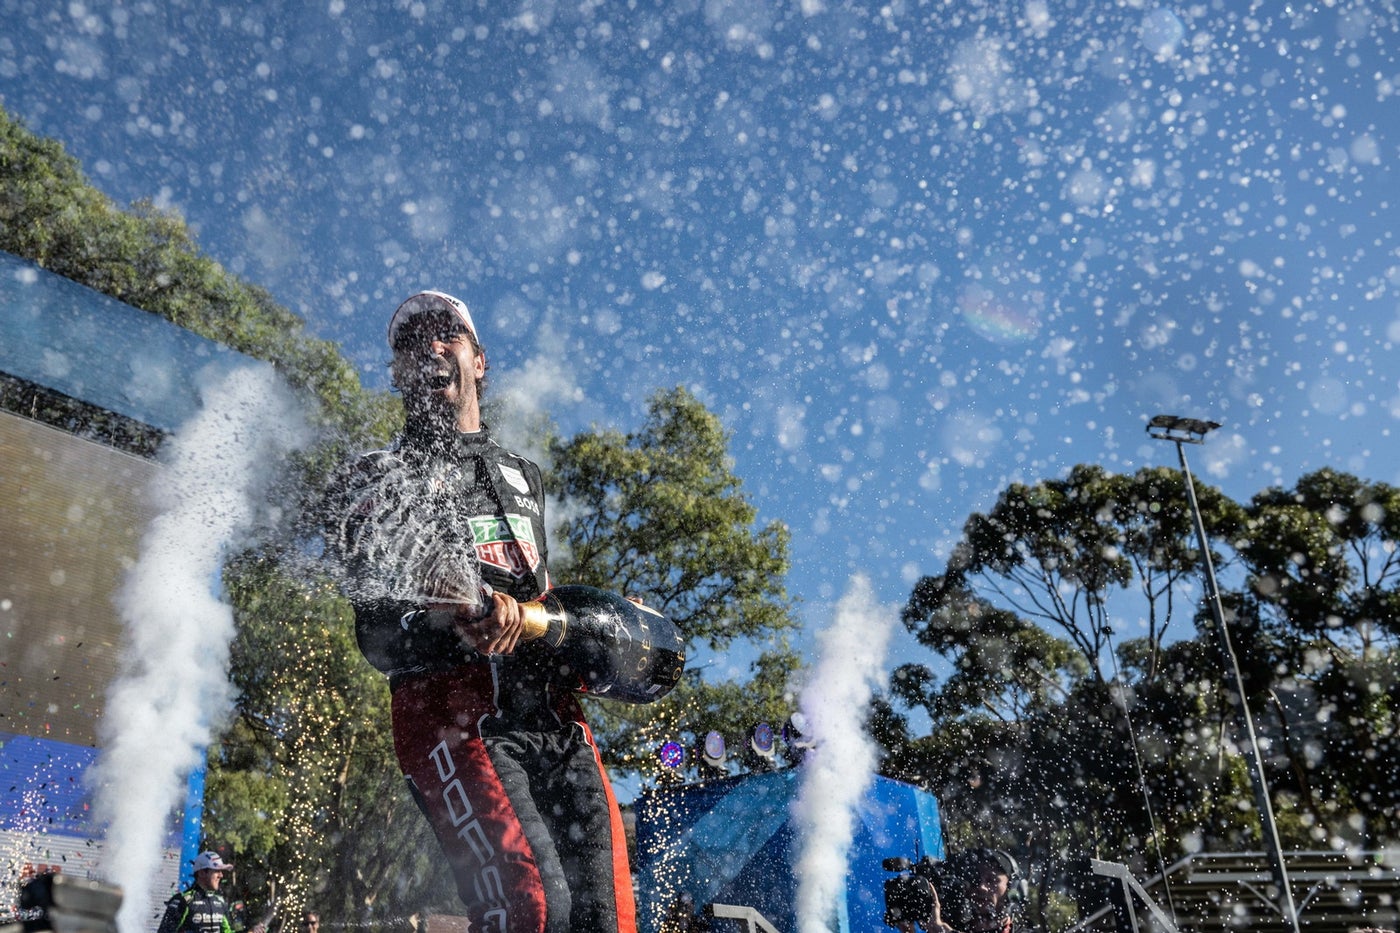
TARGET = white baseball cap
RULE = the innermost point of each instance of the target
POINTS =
(211, 861)
(430, 301)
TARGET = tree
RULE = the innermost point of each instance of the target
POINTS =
(659, 514)
(1056, 553)
(303, 780)
(51, 215)
(1029, 737)
(1322, 597)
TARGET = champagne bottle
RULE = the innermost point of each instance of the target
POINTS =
(614, 647)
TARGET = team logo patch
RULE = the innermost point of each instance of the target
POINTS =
(515, 478)
(507, 544)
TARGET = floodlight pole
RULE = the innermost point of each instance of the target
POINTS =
(1181, 431)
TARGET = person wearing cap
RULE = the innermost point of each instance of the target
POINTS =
(987, 877)
(440, 537)
(200, 908)
(977, 892)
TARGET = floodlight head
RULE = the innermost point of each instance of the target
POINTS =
(1178, 429)
(713, 752)
(761, 740)
(672, 755)
(798, 733)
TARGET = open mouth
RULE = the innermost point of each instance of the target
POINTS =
(439, 381)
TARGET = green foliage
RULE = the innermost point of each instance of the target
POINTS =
(304, 776)
(1050, 732)
(245, 793)
(659, 514)
(51, 215)
(1324, 599)
(1324, 555)
(1057, 553)
(1003, 665)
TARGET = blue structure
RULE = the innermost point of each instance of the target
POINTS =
(64, 503)
(88, 346)
(39, 777)
(731, 841)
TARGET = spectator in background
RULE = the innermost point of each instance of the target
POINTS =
(973, 891)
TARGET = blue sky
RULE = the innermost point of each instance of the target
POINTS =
(909, 252)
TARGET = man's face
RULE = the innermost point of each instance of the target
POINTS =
(992, 885)
(209, 878)
(436, 367)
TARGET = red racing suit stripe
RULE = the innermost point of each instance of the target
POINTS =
(621, 870)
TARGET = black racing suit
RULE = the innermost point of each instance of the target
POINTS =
(195, 910)
(498, 755)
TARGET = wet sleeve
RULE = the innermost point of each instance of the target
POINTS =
(386, 546)
(174, 914)
(397, 637)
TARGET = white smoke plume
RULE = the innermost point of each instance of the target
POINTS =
(172, 686)
(838, 771)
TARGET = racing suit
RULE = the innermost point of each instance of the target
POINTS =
(195, 910)
(497, 753)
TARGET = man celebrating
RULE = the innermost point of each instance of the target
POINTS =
(442, 535)
(200, 908)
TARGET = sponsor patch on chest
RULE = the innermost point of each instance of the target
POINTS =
(507, 544)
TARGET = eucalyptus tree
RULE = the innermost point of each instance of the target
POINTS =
(1322, 602)
(1067, 714)
(1059, 553)
(1052, 618)
(659, 513)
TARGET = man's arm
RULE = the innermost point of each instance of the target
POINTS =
(174, 915)
(363, 527)
(395, 635)
(497, 632)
